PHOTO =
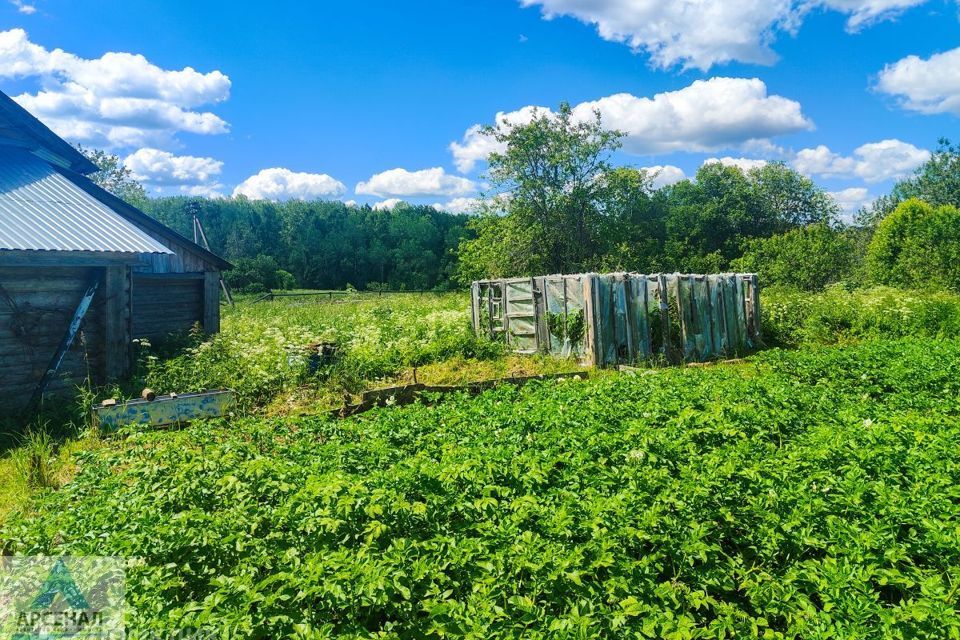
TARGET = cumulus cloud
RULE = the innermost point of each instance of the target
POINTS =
(117, 100)
(706, 116)
(387, 205)
(744, 164)
(665, 175)
(426, 182)
(158, 167)
(873, 162)
(702, 33)
(927, 86)
(283, 184)
(852, 200)
(458, 205)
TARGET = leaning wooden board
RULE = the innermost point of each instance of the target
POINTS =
(166, 410)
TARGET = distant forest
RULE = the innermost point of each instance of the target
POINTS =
(322, 245)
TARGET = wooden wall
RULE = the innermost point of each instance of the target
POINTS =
(167, 303)
(36, 306)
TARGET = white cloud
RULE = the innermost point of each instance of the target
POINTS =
(665, 175)
(702, 33)
(476, 147)
(387, 205)
(23, 7)
(744, 164)
(458, 205)
(283, 184)
(873, 162)
(821, 161)
(851, 200)
(927, 86)
(351, 203)
(708, 115)
(118, 100)
(157, 167)
(426, 182)
(866, 12)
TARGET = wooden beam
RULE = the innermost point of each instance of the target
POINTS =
(118, 303)
(67, 340)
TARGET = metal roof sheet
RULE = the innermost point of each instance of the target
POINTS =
(41, 210)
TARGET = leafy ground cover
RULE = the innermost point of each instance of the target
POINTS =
(804, 494)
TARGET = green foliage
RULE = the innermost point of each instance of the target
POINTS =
(807, 258)
(256, 275)
(114, 177)
(325, 245)
(263, 349)
(553, 169)
(837, 314)
(937, 181)
(804, 495)
(918, 245)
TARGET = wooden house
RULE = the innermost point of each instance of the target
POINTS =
(83, 273)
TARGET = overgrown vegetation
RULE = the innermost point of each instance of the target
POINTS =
(267, 348)
(805, 494)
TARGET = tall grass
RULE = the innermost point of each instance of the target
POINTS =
(839, 314)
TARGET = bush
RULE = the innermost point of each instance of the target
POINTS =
(792, 318)
(917, 246)
(256, 275)
(807, 258)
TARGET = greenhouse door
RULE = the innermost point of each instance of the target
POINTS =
(521, 315)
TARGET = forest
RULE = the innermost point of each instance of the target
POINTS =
(557, 203)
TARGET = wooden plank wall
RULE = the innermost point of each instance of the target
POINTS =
(45, 299)
(185, 260)
(167, 303)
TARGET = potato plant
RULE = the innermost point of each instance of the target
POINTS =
(806, 494)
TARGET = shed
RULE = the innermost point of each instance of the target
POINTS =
(622, 318)
(73, 254)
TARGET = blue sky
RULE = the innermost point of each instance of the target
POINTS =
(362, 101)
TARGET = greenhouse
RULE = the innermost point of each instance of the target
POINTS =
(622, 318)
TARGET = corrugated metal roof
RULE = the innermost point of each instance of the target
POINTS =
(42, 210)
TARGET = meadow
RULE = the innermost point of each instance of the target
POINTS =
(807, 491)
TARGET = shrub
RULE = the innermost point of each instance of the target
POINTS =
(918, 246)
(256, 275)
(806, 258)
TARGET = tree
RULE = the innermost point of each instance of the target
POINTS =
(553, 169)
(937, 182)
(114, 177)
(806, 258)
(789, 199)
(918, 245)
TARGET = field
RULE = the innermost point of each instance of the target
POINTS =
(806, 492)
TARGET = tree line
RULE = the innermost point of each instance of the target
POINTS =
(559, 205)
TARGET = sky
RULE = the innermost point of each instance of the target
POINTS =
(381, 101)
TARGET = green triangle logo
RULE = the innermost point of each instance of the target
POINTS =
(59, 582)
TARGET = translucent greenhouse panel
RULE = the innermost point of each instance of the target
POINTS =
(639, 314)
(719, 335)
(701, 316)
(565, 315)
(521, 316)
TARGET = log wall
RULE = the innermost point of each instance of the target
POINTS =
(36, 306)
(167, 303)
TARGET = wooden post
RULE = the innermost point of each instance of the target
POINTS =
(118, 302)
(211, 301)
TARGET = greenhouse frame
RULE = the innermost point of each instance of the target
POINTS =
(622, 318)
